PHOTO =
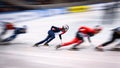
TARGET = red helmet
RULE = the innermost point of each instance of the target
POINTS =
(9, 26)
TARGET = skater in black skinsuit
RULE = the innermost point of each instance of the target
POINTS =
(115, 36)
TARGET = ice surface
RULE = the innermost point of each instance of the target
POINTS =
(21, 54)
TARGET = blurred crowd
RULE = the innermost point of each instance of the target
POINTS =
(6, 7)
(11, 5)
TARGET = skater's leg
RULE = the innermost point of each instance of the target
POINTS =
(42, 41)
(49, 40)
(10, 38)
(75, 40)
(51, 37)
(50, 34)
(78, 43)
(114, 37)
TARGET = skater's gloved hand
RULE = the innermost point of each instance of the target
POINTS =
(89, 39)
(90, 34)
(60, 36)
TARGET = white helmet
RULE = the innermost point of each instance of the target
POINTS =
(65, 27)
(98, 28)
(24, 26)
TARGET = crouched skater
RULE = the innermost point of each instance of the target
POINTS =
(51, 34)
(114, 36)
(82, 32)
(16, 33)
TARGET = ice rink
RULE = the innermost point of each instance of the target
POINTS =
(21, 54)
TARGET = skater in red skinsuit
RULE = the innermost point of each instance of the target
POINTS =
(82, 32)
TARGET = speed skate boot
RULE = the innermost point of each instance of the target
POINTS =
(46, 44)
(98, 48)
(118, 45)
(58, 46)
(36, 45)
(116, 48)
(74, 49)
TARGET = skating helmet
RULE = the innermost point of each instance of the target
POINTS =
(9, 25)
(23, 29)
(98, 28)
(24, 26)
(65, 27)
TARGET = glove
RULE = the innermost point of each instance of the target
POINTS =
(60, 36)
(89, 39)
(90, 34)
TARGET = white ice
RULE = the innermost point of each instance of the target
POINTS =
(21, 54)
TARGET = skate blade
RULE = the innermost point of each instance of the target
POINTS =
(5, 43)
(73, 49)
(114, 49)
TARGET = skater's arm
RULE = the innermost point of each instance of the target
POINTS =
(89, 39)
(62, 32)
(60, 36)
(12, 37)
